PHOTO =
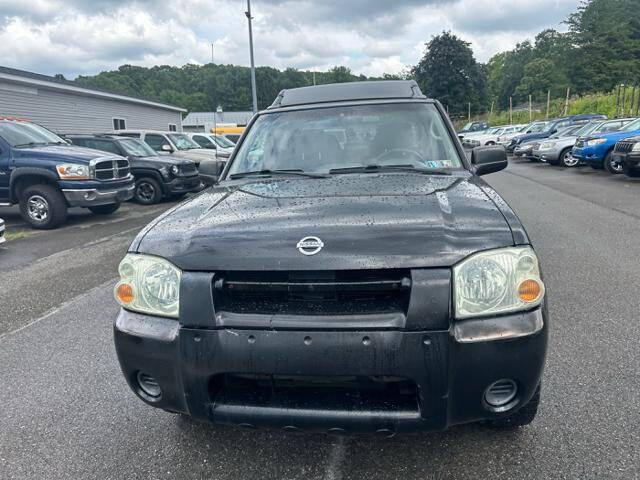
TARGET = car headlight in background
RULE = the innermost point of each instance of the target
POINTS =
(149, 284)
(636, 147)
(496, 282)
(547, 145)
(175, 170)
(596, 141)
(73, 171)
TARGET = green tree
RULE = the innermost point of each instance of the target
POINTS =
(449, 72)
(606, 35)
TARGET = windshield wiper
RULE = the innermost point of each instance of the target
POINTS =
(390, 168)
(30, 144)
(268, 172)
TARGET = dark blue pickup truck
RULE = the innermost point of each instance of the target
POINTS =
(45, 175)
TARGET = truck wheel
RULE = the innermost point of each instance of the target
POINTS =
(104, 209)
(43, 207)
(567, 160)
(148, 191)
(522, 417)
(611, 166)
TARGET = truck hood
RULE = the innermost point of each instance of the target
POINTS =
(365, 221)
(68, 153)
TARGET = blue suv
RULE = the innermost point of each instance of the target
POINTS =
(596, 150)
(45, 175)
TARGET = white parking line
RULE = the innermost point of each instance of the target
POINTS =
(53, 311)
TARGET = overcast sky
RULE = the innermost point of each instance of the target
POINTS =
(76, 37)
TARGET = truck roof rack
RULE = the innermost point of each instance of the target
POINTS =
(339, 92)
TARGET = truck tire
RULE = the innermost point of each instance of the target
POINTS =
(104, 209)
(148, 191)
(43, 207)
(522, 417)
(611, 166)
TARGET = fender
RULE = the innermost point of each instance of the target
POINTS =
(19, 172)
(148, 172)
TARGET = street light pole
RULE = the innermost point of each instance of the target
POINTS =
(253, 68)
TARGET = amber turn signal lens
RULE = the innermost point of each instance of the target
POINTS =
(529, 290)
(125, 293)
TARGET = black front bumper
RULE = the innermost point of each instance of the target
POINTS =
(183, 185)
(630, 161)
(449, 377)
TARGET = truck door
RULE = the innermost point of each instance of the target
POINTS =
(5, 172)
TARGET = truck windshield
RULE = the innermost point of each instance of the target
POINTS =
(27, 134)
(137, 148)
(182, 141)
(323, 139)
(223, 142)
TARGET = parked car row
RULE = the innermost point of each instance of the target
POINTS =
(45, 173)
(602, 144)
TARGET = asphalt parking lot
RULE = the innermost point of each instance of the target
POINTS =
(66, 411)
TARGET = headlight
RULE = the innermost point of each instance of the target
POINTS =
(175, 170)
(547, 145)
(596, 141)
(73, 171)
(636, 147)
(149, 285)
(496, 282)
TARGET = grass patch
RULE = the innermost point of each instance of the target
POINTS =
(9, 235)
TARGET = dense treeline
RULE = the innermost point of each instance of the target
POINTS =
(203, 88)
(599, 50)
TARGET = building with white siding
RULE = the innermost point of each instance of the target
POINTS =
(65, 107)
(205, 121)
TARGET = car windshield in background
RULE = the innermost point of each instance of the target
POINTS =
(635, 125)
(323, 139)
(27, 135)
(536, 127)
(588, 128)
(137, 148)
(223, 142)
(182, 141)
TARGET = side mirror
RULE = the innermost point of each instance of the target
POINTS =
(489, 159)
(166, 148)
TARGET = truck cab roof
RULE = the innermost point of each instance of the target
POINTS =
(352, 91)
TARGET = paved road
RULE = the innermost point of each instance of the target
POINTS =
(65, 410)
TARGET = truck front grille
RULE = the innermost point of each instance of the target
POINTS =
(112, 169)
(188, 169)
(624, 147)
(349, 292)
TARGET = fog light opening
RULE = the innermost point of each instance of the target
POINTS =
(500, 394)
(149, 385)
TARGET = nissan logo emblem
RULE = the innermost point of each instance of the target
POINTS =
(310, 245)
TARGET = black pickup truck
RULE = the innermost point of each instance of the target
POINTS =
(350, 273)
(45, 175)
(156, 176)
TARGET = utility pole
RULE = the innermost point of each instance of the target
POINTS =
(529, 108)
(253, 67)
(510, 110)
(566, 102)
(618, 101)
(548, 102)
(212, 53)
(624, 99)
(469, 111)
